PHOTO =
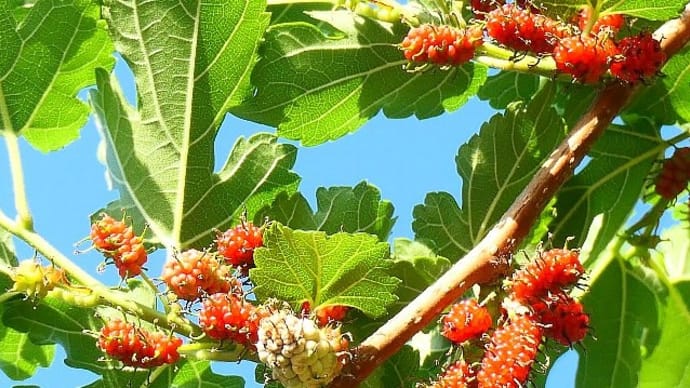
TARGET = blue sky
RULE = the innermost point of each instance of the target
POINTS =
(404, 158)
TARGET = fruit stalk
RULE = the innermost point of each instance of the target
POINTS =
(21, 203)
(484, 263)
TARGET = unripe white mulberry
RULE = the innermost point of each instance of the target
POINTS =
(299, 353)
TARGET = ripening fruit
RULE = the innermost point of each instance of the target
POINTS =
(136, 347)
(674, 175)
(230, 317)
(554, 270)
(639, 57)
(465, 320)
(524, 30)
(509, 356)
(481, 7)
(609, 23)
(35, 280)
(118, 242)
(237, 245)
(459, 375)
(585, 57)
(564, 320)
(442, 45)
(331, 313)
(193, 273)
(107, 233)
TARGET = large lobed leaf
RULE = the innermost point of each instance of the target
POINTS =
(191, 61)
(339, 209)
(609, 185)
(647, 9)
(316, 88)
(48, 54)
(507, 86)
(495, 166)
(341, 269)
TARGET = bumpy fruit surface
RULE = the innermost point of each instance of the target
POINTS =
(585, 57)
(35, 280)
(230, 317)
(509, 356)
(137, 347)
(639, 58)
(118, 242)
(332, 313)
(610, 23)
(299, 353)
(674, 175)
(458, 375)
(194, 273)
(465, 320)
(442, 45)
(553, 271)
(107, 233)
(523, 30)
(237, 245)
(564, 320)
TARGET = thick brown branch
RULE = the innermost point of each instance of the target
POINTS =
(483, 263)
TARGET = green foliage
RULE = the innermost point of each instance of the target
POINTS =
(652, 10)
(339, 209)
(343, 269)
(42, 68)
(505, 87)
(178, 120)
(316, 88)
(495, 166)
(623, 309)
(609, 185)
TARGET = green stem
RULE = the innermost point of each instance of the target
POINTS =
(20, 200)
(544, 66)
(209, 351)
(178, 324)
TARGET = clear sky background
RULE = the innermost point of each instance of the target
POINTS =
(405, 159)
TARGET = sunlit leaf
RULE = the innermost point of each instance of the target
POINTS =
(342, 269)
(46, 59)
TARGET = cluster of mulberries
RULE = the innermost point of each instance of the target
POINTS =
(120, 245)
(584, 48)
(137, 347)
(538, 305)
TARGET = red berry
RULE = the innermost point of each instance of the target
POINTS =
(442, 45)
(565, 320)
(107, 233)
(137, 347)
(553, 271)
(459, 375)
(585, 57)
(193, 273)
(237, 245)
(609, 23)
(640, 57)
(465, 320)
(481, 7)
(510, 354)
(328, 314)
(674, 175)
(523, 30)
(118, 242)
(229, 316)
